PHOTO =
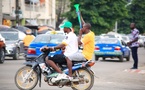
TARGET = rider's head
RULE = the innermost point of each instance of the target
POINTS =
(67, 27)
(86, 28)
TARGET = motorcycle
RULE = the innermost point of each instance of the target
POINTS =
(27, 77)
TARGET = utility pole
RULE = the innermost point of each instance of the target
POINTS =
(17, 12)
(1, 15)
(116, 25)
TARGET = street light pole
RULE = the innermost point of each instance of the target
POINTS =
(17, 12)
(1, 15)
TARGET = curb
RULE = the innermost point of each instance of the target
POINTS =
(135, 71)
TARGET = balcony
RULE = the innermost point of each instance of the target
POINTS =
(35, 8)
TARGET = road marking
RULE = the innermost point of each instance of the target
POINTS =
(142, 72)
(135, 71)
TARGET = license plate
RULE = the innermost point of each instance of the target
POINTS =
(107, 48)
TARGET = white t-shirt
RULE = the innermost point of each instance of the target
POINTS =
(71, 43)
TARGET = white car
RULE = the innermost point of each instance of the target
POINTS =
(2, 38)
(141, 42)
(125, 38)
(113, 36)
(143, 39)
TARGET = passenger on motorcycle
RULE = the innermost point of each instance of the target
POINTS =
(88, 43)
(71, 46)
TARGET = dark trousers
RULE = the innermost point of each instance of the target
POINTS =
(135, 56)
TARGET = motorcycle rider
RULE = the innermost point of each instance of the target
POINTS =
(71, 46)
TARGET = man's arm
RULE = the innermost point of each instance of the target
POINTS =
(53, 48)
(129, 43)
(59, 46)
(79, 37)
(82, 20)
(136, 39)
(79, 40)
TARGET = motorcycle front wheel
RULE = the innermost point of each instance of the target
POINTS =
(26, 78)
(86, 79)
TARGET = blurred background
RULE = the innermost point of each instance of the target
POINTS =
(105, 16)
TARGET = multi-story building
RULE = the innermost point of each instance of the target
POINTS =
(35, 12)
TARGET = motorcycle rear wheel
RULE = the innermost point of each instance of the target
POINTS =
(30, 82)
(88, 80)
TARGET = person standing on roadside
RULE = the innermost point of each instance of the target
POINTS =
(28, 39)
(134, 44)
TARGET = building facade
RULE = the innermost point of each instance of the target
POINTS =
(34, 12)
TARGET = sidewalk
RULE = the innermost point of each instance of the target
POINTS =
(140, 70)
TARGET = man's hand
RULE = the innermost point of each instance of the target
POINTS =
(129, 43)
(44, 48)
(81, 32)
(52, 49)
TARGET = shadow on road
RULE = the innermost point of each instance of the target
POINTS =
(10, 58)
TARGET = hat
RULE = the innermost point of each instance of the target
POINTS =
(66, 24)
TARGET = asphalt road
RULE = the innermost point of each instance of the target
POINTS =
(110, 75)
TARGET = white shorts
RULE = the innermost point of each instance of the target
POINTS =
(78, 56)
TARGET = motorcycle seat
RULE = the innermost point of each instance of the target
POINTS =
(73, 62)
(76, 62)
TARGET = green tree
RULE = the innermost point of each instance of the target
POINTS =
(136, 15)
(102, 14)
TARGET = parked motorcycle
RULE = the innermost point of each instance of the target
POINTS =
(27, 77)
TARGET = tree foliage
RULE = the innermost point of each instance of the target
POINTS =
(136, 15)
(102, 14)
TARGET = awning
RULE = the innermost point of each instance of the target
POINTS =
(32, 22)
(8, 17)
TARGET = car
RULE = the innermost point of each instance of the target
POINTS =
(41, 40)
(55, 32)
(111, 48)
(14, 42)
(125, 38)
(143, 38)
(141, 41)
(98, 37)
(21, 28)
(2, 49)
(110, 35)
(44, 29)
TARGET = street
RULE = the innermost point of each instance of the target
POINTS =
(110, 75)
